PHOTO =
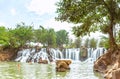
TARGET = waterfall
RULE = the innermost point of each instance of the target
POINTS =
(57, 53)
(30, 55)
(97, 53)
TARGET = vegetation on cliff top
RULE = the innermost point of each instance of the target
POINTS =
(22, 34)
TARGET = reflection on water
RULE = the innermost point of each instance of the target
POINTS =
(15, 70)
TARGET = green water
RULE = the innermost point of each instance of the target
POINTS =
(17, 70)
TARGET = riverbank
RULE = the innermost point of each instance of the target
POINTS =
(109, 64)
(8, 54)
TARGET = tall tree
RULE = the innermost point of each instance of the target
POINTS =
(40, 35)
(51, 37)
(45, 36)
(61, 37)
(86, 44)
(78, 42)
(92, 15)
(93, 43)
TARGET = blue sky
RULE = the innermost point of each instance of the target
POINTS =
(37, 12)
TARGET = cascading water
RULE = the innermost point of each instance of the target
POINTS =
(27, 55)
(97, 53)
(30, 55)
(72, 54)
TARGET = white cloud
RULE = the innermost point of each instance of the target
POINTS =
(42, 6)
(13, 11)
(57, 25)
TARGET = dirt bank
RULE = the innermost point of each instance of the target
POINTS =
(8, 54)
(108, 64)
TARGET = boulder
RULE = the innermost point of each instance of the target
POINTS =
(112, 74)
(83, 53)
(103, 62)
(37, 48)
(63, 65)
(108, 74)
(116, 74)
(109, 64)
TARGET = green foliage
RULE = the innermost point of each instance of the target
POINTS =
(40, 35)
(51, 38)
(62, 37)
(78, 42)
(118, 38)
(86, 44)
(93, 42)
(70, 44)
(85, 12)
(104, 42)
(46, 36)
(20, 35)
(13, 41)
(90, 42)
(4, 36)
(91, 15)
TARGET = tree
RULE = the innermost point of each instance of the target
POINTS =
(78, 42)
(13, 40)
(92, 15)
(104, 42)
(93, 43)
(61, 37)
(45, 36)
(86, 44)
(51, 37)
(40, 35)
(4, 39)
(20, 35)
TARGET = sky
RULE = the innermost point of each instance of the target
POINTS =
(32, 12)
(37, 12)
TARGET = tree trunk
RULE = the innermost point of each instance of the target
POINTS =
(111, 11)
(112, 42)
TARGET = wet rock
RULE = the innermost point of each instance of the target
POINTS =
(62, 65)
(116, 74)
(102, 62)
(42, 61)
(49, 54)
(83, 53)
(109, 64)
(37, 48)
(61, 69)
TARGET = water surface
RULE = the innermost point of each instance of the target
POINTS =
(17, 70)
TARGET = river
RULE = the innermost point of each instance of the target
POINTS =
(18, 70)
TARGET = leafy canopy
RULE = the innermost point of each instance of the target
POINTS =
(20, 35)
(91, 15)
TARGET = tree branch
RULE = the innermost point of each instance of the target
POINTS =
(107, 7)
